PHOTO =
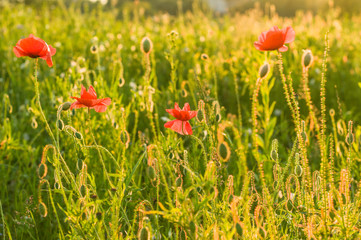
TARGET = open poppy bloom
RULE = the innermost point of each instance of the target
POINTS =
(89, 99)
(181, 124)
(275, 39)
(35, 48)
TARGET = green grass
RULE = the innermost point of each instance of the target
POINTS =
(128, 176)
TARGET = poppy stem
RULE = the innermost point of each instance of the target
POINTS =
(56, 143)
(97, 147)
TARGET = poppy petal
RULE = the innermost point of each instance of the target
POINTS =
(289, 34)
(186, 107)
(52, 50)
(283, 49)
(100, 108)
(258, 46)
(19, 52)
(192, 114)
(175, 125)
(176, 106)
(105, 101)
(92, 92)
(76, 105)
(187, 128)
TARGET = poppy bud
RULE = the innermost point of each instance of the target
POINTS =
(179, 181)
(151, 173)
(200, 116)
(124, 138)
(192, 227)
(94, 49)
(42, 170)
(264, 70)
(223, 151)
(60, 124)
(79, 163)
(349, 136)
(83, 190)
(307, 58)
(93, 196)
(66, 106)
(289, 205)
(99, 215)
(239, 229)
(298, 171)
(78, 135)
(204, 56)
(144, 234)
(146, 45)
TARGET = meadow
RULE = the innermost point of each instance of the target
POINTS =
(275, 146)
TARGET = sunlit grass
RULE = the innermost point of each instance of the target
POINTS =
(275, 148)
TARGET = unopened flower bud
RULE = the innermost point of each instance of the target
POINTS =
(264, 70)
(307, 58)
(146, 45)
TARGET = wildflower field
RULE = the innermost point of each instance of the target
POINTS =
(118, 124)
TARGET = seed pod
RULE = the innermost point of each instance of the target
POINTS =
(307, 58)
(66, 106)
(264, 70)
(239, 229)
(144, 234)
(146, 45)
(78, 135)
(60, 124)
(298, 171)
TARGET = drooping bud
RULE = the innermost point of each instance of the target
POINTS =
(78, 135)
(144, 234)
(146, 45)
(307, 58)
(66, 106)
(349, 136)
(264, 70)
(60, 124)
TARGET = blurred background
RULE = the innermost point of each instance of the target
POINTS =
(286, 8)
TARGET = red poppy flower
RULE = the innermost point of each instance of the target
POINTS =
(34, 47)
(181, 124)
(274, 39)
(89, 99)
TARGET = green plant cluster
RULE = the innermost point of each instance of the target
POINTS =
(275, 149)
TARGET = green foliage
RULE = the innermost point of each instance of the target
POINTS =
(273, 157)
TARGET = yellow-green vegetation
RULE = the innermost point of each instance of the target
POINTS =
(275, 149)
